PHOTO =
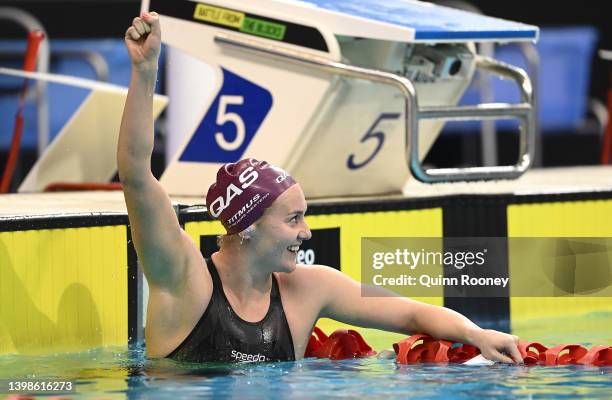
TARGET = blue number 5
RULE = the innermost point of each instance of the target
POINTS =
(371, 134)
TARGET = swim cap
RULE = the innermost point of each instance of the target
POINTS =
(243, 191)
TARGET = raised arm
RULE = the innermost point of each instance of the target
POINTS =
(345, 302)
(163, 248)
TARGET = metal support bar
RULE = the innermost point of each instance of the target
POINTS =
(481, 111)
(413, 114)
(533, 63)
(489, 111)
(488, 133)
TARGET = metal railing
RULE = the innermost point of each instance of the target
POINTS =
(487, 111)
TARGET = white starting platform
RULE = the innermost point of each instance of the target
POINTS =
(347, 95)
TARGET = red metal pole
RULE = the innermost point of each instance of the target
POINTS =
(29, 64)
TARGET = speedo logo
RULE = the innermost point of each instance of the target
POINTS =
(245, 208)
(244, 357)
(246, 179)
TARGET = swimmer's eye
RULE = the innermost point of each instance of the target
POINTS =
(295, 218)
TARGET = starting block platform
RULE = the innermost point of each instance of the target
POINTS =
(348, 95)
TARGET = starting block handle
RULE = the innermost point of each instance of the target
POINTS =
(523, 111)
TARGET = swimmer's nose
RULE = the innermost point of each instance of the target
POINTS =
(305, 233)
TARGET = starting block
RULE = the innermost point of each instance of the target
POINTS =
(348, 95)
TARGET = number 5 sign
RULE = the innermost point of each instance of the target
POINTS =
(230, 123)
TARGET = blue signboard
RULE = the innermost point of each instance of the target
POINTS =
(230, 123)
(431, 22)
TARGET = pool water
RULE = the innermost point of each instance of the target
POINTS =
(120, 373)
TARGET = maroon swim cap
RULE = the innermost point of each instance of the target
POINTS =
(243, 191)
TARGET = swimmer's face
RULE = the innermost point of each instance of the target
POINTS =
(281, 230)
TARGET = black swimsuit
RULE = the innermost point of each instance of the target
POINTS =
(221, 335)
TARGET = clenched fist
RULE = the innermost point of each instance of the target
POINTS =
(143, 40)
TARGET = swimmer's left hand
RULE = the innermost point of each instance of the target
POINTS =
(496, 346)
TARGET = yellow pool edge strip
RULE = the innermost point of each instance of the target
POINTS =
(584, 218)
(63, 289)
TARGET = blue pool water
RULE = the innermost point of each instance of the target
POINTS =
(119, 373)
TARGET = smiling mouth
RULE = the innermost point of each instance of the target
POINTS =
(293, 249)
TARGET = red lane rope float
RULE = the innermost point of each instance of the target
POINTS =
(563, 354)
(29, 64)
(315, 342)
(599, 356)
(416, 349)
(531, 351)
(453, 353)
(340, 345)
(421, 348)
